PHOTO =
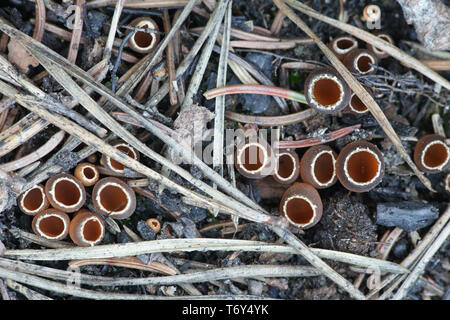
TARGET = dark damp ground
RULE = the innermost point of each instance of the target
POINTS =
(349, 219)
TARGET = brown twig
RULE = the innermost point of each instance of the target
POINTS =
(268, 121)
(170, 60)
(325, 138)
(76, 32)
(38, 32)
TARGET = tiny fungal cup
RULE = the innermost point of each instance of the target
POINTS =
(144, 42)
(87, 173)
(372, 13)
(431, 154)
(318, 167)
(380, 54)
(51, 224)
(65, 192)
(287, 170)
(343, 45)
(33, 201)
(301, 205)
(326, 91)
(358, 61)
(112, 164)
(254, 159)
(86, 229)
(154, 224)
(356, 106)
(360, 166)
(114, 198)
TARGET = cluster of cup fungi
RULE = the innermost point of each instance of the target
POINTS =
(359, 166)
(64, 194)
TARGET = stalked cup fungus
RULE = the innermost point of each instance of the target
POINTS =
(380, 54)
(114, 198)
(287, 170)
(301, 205)
(360, 166)
(33, 200)
(431, 154)
(112, 164)
(326, 91)
(142, 41)
(356, 106)
(51, 224)
(87, 173)
(359, 60)
(254, 159)
(65, 192)
(318, 167)
(343, 45)
(86, 229)
(154, 224)
(372, 13)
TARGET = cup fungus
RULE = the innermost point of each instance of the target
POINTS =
(154, 224)
(318, 167)
(51, 224)
(326, 91)
(144, 42)
(360, 166)
(112, 164)
(287, 170)
(343, 45)
(114, 198)
(254, 159)
(86, 229)
(301, 205)
(372, 13)
(65, 192)
(33, 200)
(356, 106)
(431, 154)
(87, 173)
(358, 61)
(380, 54)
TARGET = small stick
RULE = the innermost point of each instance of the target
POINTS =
(258, 89)
(327, 137)
(38, 32)
(170, 60)
(76, 32)
(437, 65)
(36, 155)
(268, 121)
(62, 33)
(266, 45)
(26, 292)
(138, 4)
(277, 23)
(125, 262)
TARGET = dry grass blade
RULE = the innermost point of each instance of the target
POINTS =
(189, 245)
(359, 90)
(395, 52)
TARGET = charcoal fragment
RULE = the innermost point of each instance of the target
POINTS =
(407, 215)
(145, 231)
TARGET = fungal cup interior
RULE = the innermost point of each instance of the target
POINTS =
(299, 211)
(362, 166)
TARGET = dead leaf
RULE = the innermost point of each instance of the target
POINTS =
(20, 57)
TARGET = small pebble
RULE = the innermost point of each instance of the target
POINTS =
(145, 231)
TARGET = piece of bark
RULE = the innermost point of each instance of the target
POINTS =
(431, 19)
(407, 215)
